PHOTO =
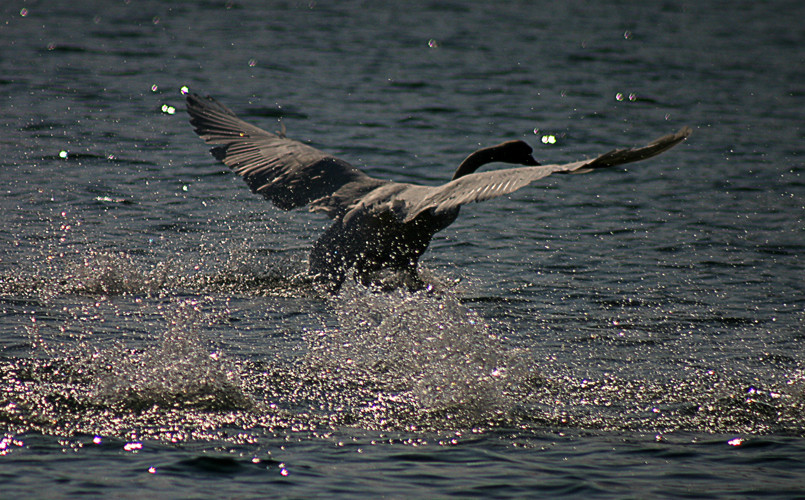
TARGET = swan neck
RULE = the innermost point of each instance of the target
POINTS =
(475, 161)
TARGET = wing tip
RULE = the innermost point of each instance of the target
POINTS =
(197, 105)
(673, 139)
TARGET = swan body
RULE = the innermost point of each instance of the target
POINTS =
(377, 224)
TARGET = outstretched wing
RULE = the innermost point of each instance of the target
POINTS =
(481, 186)
(287, 172)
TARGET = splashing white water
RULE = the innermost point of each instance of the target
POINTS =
(182, 370)
(427, 346)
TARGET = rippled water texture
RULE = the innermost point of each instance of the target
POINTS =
(629, 333)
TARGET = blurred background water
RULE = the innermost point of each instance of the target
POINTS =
(630, 332)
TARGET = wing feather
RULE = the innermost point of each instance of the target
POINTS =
(286, 172)
(482, 186)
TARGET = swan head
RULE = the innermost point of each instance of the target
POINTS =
(516, 152)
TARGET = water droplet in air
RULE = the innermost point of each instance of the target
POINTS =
(735, 442)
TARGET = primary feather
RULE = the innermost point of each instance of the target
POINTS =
(376, 223)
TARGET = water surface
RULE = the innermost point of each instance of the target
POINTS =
(626, 333)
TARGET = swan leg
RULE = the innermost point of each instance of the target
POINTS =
(383, 252)
(412, 280)
(331, 257)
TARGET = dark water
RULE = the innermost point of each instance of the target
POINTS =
(631, 333)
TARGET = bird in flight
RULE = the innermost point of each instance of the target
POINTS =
(378, 224)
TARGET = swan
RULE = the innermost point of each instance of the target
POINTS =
(377, 224)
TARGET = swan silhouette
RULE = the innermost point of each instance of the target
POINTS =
(377, 224)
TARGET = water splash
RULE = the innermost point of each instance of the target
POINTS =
(165, 387)
(183, 370)
(425, 347)
(120, 350)
(88, 271)
(108, 273)
(395, 362)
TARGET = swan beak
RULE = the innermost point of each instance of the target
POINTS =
(531, 162)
